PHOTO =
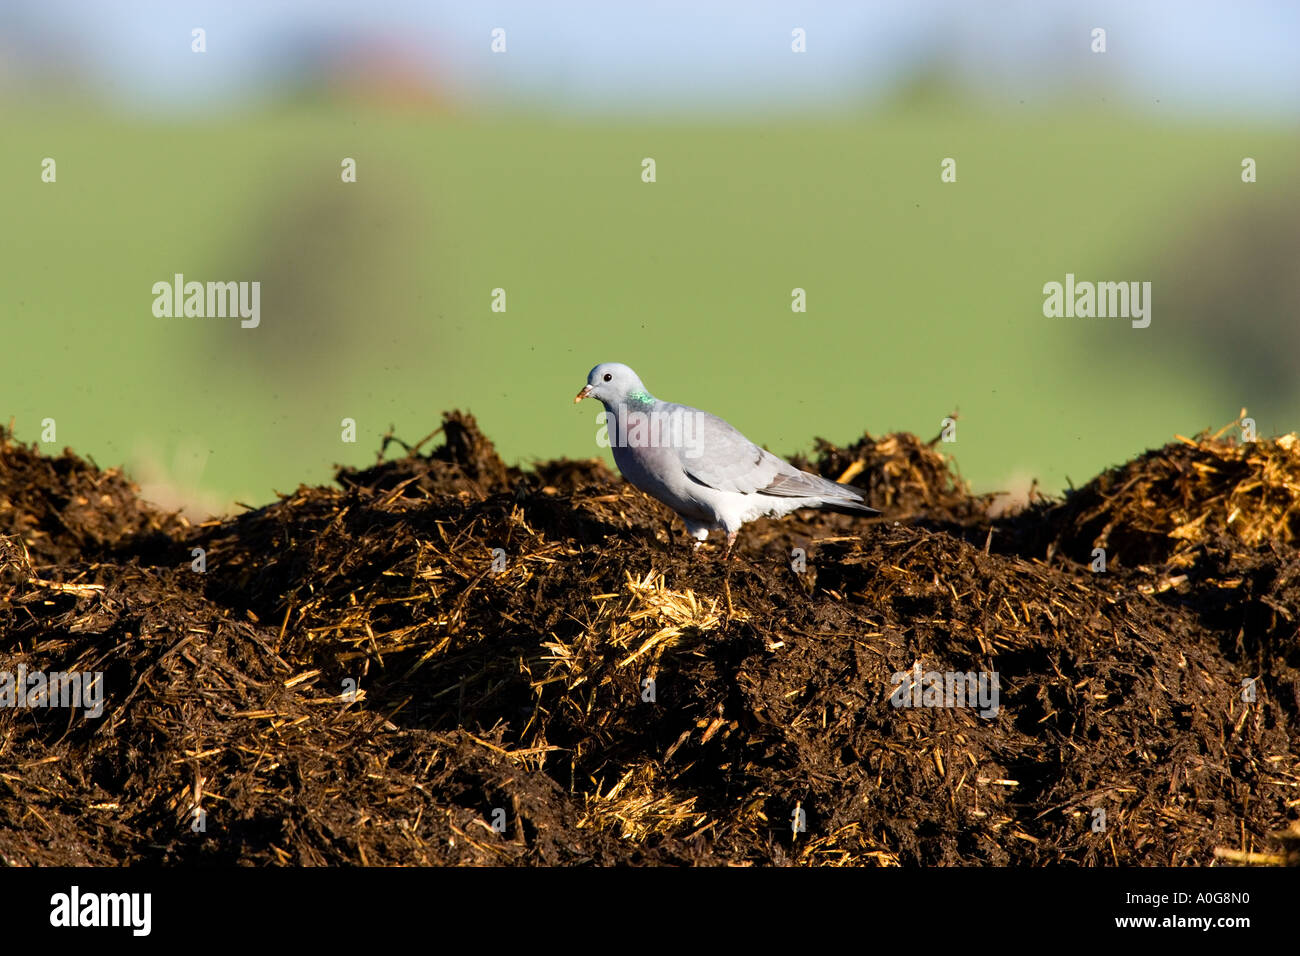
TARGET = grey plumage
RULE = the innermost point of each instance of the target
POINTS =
(698, 464)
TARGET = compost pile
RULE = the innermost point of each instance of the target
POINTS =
(445, 660)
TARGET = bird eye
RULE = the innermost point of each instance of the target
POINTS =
(608, 377)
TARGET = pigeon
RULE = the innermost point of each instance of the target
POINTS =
(699, 465)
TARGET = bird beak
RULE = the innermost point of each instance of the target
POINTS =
(586, 390)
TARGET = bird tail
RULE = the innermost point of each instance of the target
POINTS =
(848, 505)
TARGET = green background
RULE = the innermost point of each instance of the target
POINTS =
(923, 297)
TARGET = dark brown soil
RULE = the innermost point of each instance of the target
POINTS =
(517, 694)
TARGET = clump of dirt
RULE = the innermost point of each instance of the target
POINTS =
(446, 660)
(909, 477)
(1176, 499)
(64, 506)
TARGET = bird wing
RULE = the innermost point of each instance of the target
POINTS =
(715, 454)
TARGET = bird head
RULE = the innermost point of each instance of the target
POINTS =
(614, 384)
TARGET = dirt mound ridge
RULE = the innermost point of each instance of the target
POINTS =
(391, 670)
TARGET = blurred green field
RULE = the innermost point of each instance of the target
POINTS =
(923, 297)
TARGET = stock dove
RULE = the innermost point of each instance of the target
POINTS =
(700, 466)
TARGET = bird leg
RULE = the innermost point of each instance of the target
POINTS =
(731, 540)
